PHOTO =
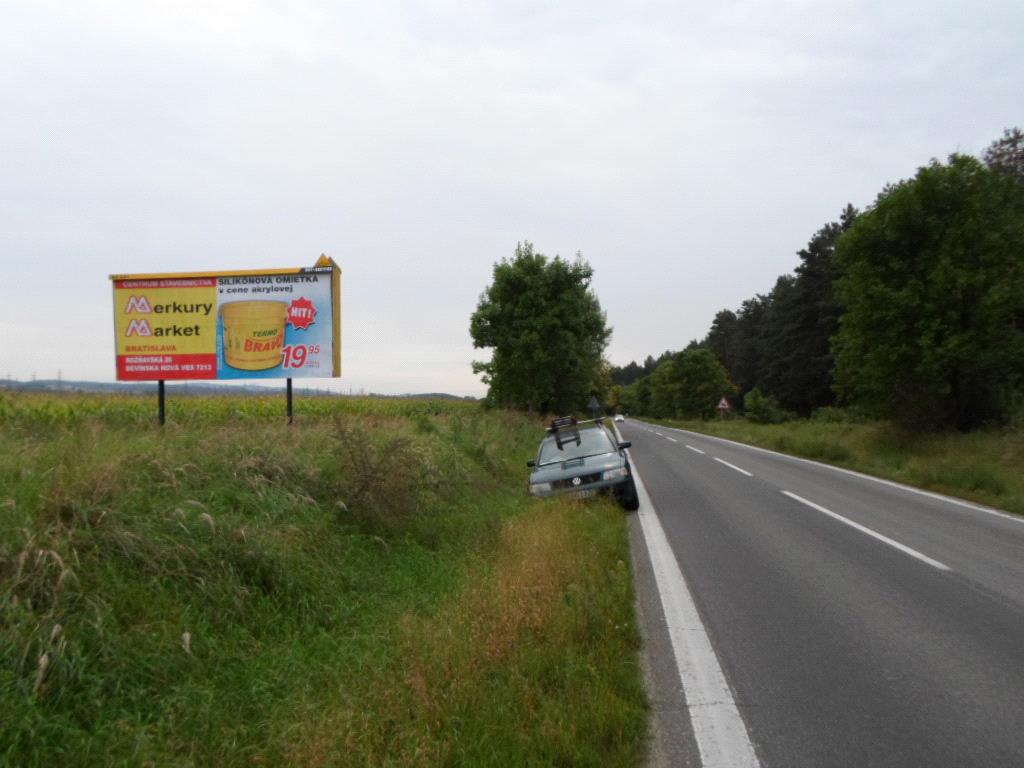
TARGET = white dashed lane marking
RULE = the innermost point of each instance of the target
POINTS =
(864, 529)
(732, 466)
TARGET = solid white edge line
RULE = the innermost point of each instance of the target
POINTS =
(718, 727)
(864, 529)
(732, 466)
(695, 450)
(862, 475)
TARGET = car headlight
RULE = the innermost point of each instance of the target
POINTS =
(540, 487)
(616, 474)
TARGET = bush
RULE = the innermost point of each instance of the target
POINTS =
(764, 409)
(831, 415)
(822, 448)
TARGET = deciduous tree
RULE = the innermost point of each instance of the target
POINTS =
(933, 290)
(689, 385)
(547, 332)
(1006, 155)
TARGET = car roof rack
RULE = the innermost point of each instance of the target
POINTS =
(566, 430)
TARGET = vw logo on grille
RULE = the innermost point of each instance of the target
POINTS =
(576, 481)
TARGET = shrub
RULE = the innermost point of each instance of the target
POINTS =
(822, 448)
(764, 409)
(831, 415)
(375, 480)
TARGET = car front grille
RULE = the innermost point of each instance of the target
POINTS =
(584, 480)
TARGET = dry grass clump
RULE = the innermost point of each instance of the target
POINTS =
(536, 562)
(35, 577)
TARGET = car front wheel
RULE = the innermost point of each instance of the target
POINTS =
(627, 496)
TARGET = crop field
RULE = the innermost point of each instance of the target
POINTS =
(369, 587)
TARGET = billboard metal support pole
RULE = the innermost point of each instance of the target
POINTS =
(289, 401)
(160, 398)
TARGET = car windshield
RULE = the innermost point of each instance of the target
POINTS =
(593, 442)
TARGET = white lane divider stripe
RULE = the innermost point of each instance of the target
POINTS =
(718, 727)
(864, 529)
(671, 438)
(695, 450)
(732, 466)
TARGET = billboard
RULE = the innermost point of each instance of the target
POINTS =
(252, 324)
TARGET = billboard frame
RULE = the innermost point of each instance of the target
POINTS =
(323, 263)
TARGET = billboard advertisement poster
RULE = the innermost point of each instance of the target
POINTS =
(282, 323)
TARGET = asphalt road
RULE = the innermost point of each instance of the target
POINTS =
(856, 623)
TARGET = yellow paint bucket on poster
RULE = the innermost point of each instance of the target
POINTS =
(254, 334)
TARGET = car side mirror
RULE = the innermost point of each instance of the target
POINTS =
(625, 444)
(531, 463)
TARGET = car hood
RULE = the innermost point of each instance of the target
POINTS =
(574, 467)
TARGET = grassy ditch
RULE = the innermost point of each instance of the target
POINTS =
(984, 466)
(371, 587)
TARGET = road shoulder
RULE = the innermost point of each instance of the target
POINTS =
(670, 735)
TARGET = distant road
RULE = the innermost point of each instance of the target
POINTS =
(855, 622)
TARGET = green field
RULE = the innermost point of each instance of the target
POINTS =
(983, 466)
(369, 587)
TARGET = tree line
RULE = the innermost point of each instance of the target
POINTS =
(912, 310)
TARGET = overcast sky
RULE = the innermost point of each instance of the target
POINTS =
(687, 150)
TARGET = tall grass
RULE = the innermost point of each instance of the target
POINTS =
(986, 466)
(369, 587)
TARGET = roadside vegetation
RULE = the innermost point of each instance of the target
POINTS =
(369, 587)
(986, 466)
